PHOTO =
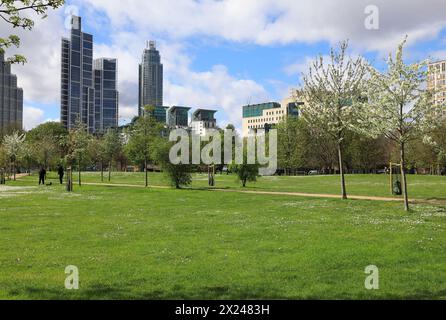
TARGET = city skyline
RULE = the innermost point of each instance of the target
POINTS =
(246, 66)
(88, 86)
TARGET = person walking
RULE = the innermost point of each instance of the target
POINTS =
(2, 176)
(42, 176)
(61, 173)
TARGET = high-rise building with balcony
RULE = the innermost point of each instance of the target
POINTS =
(151, 80)
(203, 120)
(437, 82)
(11, 99)
(96, 109)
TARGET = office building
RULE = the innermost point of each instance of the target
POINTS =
(151, 80)
(11, 99)
(106, 94)
(267, 115)
(202, 121)
(437, 82)
(88, 88)
(178, 117)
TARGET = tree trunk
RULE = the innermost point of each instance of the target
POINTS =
(341, 171)
(109, 171)
(102, 171)
(146, 171)
(14, 170)
(403, 177)
(79, 171)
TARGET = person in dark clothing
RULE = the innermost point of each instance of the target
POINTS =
(42, 176)
(60, 172)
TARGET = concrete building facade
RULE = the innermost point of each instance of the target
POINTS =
(267, 115)
(203, 120)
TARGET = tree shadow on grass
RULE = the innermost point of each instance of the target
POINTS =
(106, 292)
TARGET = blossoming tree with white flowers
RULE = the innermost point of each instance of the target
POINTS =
(330, 92)
(398, 106)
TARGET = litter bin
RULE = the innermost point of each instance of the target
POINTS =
(397, 188)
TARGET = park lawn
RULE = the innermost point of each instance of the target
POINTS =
(136, 243)
(420, 186)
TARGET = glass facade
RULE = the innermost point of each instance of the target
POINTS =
(178, 117)
(293, 109)
(85, 90)
(106, 96)
(256, 110)
(11, 99)
(151, 79)
(204, 115)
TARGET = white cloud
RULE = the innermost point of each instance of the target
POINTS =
(439, 55)
(215, 88)
(32, 117)
(40, 76)
(269, 22)
(264, 22)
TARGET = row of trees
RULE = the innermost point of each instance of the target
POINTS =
(348, 95)
(302, 147)
(50, 145)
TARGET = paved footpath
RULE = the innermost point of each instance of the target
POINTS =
(292, 194)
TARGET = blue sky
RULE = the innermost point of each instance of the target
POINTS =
(221, 54)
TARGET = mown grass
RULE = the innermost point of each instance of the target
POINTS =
(420, 186)
(135, 243)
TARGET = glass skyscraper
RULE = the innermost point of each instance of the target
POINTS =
(106, 95)
(78, 97)
(151, 82)
(11, 99)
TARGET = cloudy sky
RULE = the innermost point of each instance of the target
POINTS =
(221, 54)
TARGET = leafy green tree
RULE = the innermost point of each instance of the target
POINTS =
(112, 147)
(179, 175)
(321, 148)
(436, 142)
(142, 133)
(245, 172)
(78, 143)
(292, 145)
(96, 153)
(365, 153)
(15, 13)
(45, 143)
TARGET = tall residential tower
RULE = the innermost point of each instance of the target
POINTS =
(151, 80)
(437, 82)
(11, 99)
(82, 99)
(106, 94)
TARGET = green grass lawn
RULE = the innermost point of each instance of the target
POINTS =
(136, 243)
(420, 186)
